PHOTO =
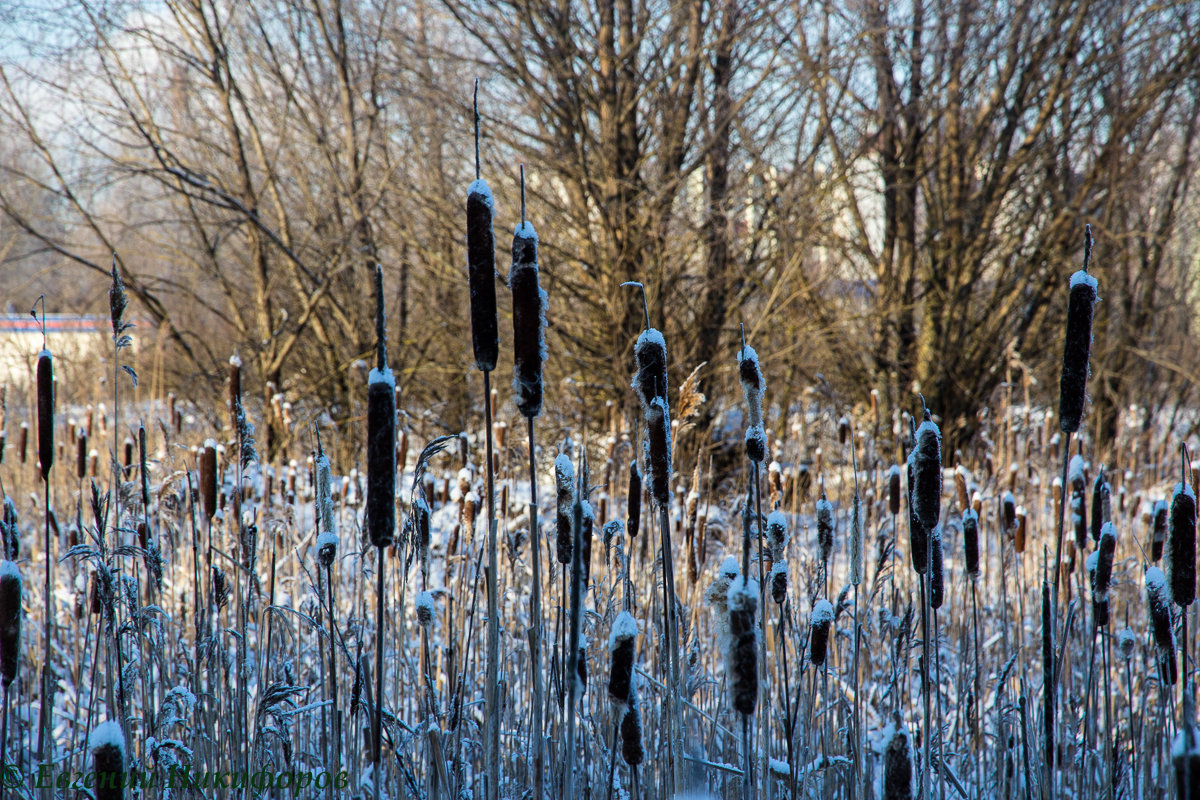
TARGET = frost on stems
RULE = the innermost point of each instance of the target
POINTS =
(564, 482)
(1077, 347)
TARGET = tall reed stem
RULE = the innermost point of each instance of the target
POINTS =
(492, 699)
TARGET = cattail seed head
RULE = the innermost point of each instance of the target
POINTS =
(381, 456)
(927, 474)
(650, 379)
(564, 482)
(1181, 546)
(208, 478)
(777, 534)
(235, 381)
(633, 508)
(1021, 529)
(894, 490)
(10, 621)
(825, 527)
(1158, 601)
(820, 623)
(632, 750)
(779, 582)
(897, 766)
(960, 487)
(481, 275)
(424, 604)
(327, 540)
(917, 534)
(742, 657)
(45, 412)
(81, 454)
(937, 573)
(1126, 641)
(658, 451)
(970, 528)
(1159, 516)
(1008, 513)
(1105, 553)
(621, 644)
(529, 321)
(107, 744)
(1101, 504)
(1076, 350)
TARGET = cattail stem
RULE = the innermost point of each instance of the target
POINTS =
(571, 676)
(675, 727)
(377, 777)
(492, 699)
(535, 630)
(336, 715)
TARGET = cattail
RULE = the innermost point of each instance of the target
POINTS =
(1181, 546)
(820, 623)
(481, 275)
(650, 379)
(1105, 553)
(894, 490)
(1126, 641)
(1101, 504)
(960, 487)
(633, 507)
(10, 621)
(751, 377)
(658, 451)
(107, 744)
(327, 540)
(424, 604)
(937, 573)
(918, 536)
(529, 320)
(1008, 513)
(779, 582)
(970, 528)
(564, 481)
(621, 643)
(81, 454)
(775, 483)
(45, 412)
(1021, 529)
(898, 766)
(1159, 515)
(856, 536)
(11, 543)
(1158, 601)
(23, 443)
(927, 474)
(825, 527)
(235, 381)
(777, 534)
(1080, 310)
(742, 656)
(381, 429)
(632, 750)
(208, 478)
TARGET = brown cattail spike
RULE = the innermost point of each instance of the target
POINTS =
(10, 621)
(481, 264)
(1077, 349)
(208, 478)
(529, 317)
(45, 412)
(381, 435)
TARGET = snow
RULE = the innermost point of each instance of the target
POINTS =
(748, 353)
(780, 568)
(564, 471)
(234, 361)
(107, 734)
(1108, 529)
(384, 376)
(1075, 470)
(856, 551)
(930, 428)
(894, 471)
(1182, 747)
(327, 539)
(525, 230)
(1082, 278)
(424, 602)
(822, 613)
(1183, 489)
(45, 354)
(480, 187)
(624, 627)
(780, 768)
(730, 568)
(651, 336)
(9, 570)
(1093, 561)
(211, 444)
(1156, 581)
(741, 592)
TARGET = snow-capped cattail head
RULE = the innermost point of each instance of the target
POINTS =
(742, 657)
(107, 744)
(960, 487)
(81, 451)
(632, 750)
(1105, 553)
(894, 490)
(658, 451)
(937, 573)
(918, 535)
(633, 507)
(750, 374)
(756, 444)
(856, 543)
(45, 412)
(779, 582)
(1181, 546)
(10, 621)
(1008, 513)
(777, 534)
(208, 478)
(235, 380)
(621, 644)
(825, 527)
(1101, 504)
(481, 275)
(424, 604)
(1158, 601)
(650, 379)
(819, 624)
(564, 484)
(927, 473)
(1081, 308)
(529, 320)
(970, 528)
(327, 540)
(1021, 529)
(1126, 642)
(381, 456)
(897, 766)
(1159, 517)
